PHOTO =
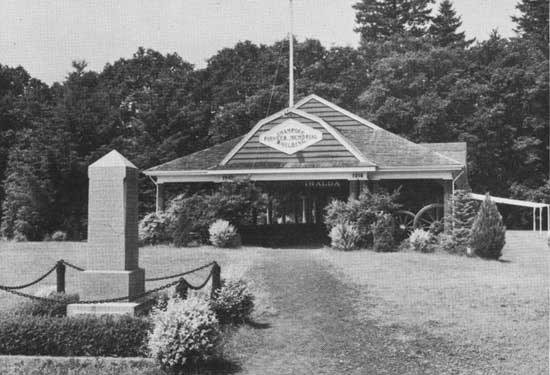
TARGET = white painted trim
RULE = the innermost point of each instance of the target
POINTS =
(252, 131)
(337, 108)
(411, 175)
(444, 168)
(304, 176)
(217, 172)
(512, 202)
(339, 137)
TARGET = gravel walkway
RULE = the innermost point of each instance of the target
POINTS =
(316, 330)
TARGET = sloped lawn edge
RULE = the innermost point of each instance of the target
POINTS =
(47, 365)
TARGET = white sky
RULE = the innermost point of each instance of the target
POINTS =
(45, 36)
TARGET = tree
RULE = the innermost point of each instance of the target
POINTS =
(488, 231)
(533, 22)
(445, 25)
(382, 19)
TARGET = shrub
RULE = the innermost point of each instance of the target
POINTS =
(193, 217)
(344, 236)
(383, 230)
(464, 211)
(362, 212)
(488, 231)
(186, 332)
(154, 229)
(436, 227)
(113, 336)
(46, 308)
(419, 240)
(59, 235)
(233, 303)
(223, 234)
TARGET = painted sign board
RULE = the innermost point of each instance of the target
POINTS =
(290, 137)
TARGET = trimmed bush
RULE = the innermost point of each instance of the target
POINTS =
(383, 230)
(106, 336)
(46, 308)
(153, 229)
(233, 303)
(344, 236)
(362, 212)
(420, 240)
(223, 234)
(488, 231)
(186, 332)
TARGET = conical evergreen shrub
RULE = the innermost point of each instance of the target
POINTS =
(488, 231)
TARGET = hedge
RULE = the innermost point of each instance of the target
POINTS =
(111, 336)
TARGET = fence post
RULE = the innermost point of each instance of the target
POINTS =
(216, 279)
(182, 289)
(60, 272)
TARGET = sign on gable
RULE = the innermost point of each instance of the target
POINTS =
(290, 137)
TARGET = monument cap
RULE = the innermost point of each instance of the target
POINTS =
(113, 159)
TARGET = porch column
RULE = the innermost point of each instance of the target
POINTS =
(269, 212)
(304, 210)
(353, 189)
(314, 208)
(160, 198)
(447, 191)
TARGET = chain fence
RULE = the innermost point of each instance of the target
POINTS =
(214, 273)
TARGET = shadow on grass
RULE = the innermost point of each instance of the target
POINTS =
(257, 325)
(214, 366)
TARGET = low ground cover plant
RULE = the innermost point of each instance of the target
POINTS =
(184, 333)
(344, 236)
(421, 241)
(224, 234)
(233, 303)
(112, 336)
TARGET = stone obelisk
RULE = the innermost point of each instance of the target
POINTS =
(112, 253)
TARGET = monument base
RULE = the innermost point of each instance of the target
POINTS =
(112, 308)
(105, 284)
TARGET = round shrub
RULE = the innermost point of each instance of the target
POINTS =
(344, 236)
(153, 229)
(488, 231)
(419, 240)
(59, 235)
(233, 303)
(223, 234)
(383, 230)
(185, 332)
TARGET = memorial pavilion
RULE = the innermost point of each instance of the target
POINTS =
(315, 151)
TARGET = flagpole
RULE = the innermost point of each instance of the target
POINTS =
(291, 60)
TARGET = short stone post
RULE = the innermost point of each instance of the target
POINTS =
(112, 269)
(60, 276)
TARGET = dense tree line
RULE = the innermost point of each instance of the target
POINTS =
(414, 73)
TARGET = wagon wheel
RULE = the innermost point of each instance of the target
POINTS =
(404, 221)
(428, 215)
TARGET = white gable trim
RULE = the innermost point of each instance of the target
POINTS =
(339, 137)
(337, 108)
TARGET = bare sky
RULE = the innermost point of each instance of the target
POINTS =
(44, 36)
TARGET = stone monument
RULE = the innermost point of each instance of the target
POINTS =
(112, 252)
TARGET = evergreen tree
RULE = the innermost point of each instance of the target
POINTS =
(533, 22)
(445, 25)
(488, 231)
(381, 19)
(463, 215)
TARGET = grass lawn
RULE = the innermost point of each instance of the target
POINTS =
(498, 311)
(323, 311)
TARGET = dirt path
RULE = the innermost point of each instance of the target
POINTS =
(316, 330)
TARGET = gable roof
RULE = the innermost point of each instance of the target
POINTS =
(383, 148)
(343, 141)
(370, 145)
